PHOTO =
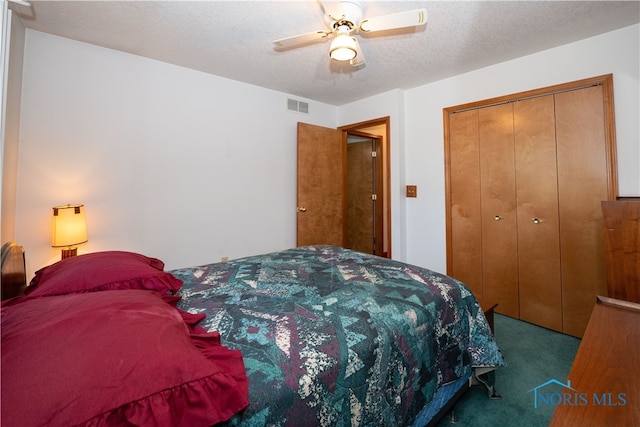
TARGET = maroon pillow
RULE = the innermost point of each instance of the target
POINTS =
(114, 358)
(99, 271)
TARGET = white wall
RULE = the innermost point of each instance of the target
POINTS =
(171, 162)
(11, 124)
(4, 54)
(616, 52)
(190, 167)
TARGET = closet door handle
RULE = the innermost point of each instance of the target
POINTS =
(536, 221)
(497, 218)
(301, 209)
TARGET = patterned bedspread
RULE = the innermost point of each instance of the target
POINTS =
(335, 337)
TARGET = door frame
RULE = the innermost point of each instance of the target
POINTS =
(378, 212)
(361, 128)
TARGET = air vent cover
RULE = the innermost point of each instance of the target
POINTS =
(299, 106)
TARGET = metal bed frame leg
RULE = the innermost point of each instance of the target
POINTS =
(452, 417)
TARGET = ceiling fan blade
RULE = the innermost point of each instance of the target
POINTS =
(395, 20)
(300, 39)
(333, 9)
(359, 59)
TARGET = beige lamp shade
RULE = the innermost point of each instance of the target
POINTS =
(69, 226)
(343, 47)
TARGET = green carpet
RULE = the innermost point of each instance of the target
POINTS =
(534, 355)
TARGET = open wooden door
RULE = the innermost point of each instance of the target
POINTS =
(321, 200)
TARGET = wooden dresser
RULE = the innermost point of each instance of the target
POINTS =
(621, 227)
(605, 374)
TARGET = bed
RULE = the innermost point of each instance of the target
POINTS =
(317, 335)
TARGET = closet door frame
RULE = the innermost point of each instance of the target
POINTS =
(606, 81)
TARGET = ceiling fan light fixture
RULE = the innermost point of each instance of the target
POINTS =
(343, 48)
(344, 21)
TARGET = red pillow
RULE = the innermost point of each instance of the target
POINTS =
(114, 358)
(99, 271)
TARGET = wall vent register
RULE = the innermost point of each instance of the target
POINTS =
(299, 106)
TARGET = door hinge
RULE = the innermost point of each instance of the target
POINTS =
(374, 197)
(374, 154)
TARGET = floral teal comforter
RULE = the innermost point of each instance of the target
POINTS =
(334, 337)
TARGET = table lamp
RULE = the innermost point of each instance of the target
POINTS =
(69, 228)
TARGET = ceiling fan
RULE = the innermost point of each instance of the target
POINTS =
(344, 19)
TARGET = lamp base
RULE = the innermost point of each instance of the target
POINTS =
(68, 253)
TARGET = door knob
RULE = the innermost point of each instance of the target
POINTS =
(536, 221)
(497, 218)
(301, 209)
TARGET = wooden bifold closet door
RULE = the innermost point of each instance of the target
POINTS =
(525, 176)
(498, 207)
(539, 270)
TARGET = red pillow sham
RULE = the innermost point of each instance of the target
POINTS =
(98, 271)
(114, 358)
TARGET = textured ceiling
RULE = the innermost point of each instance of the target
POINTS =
(233, 39)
